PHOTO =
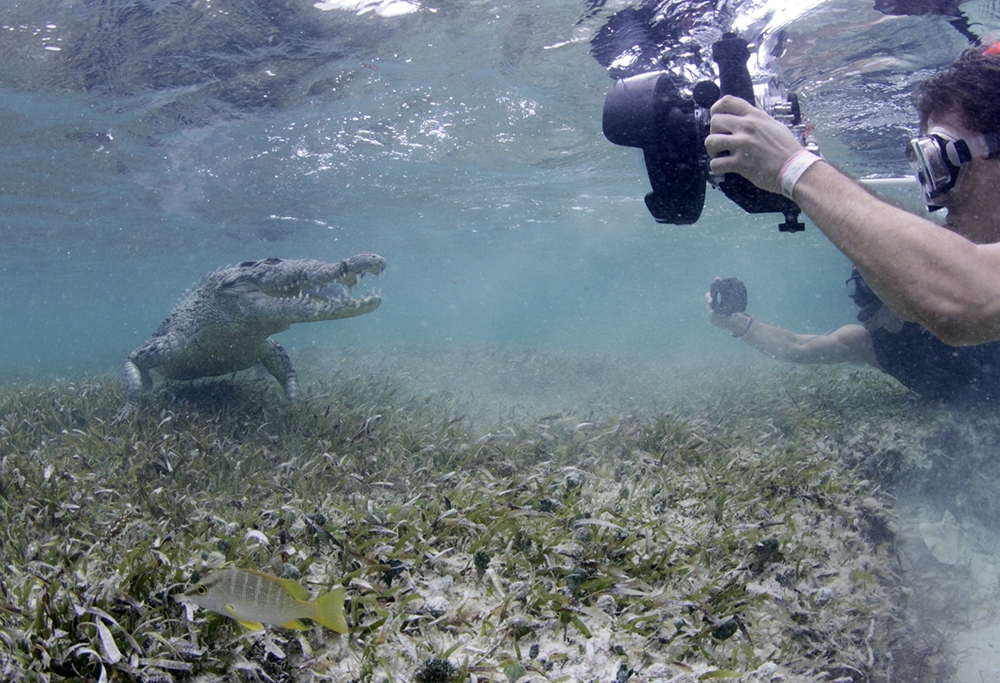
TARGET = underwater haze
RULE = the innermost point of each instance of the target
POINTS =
(538, 424)
(149, 142)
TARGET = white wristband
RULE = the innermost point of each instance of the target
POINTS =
(793, 169)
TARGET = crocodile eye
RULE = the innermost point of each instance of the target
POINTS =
(271, 260)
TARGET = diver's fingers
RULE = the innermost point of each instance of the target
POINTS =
(729, 104)
(724, 156)
(724, 124)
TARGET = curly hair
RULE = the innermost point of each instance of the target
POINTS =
(970, 86)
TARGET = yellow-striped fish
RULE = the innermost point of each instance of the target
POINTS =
(254, 599)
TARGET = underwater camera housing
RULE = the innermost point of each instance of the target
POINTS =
(650, 112)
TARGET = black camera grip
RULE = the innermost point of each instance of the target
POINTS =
(731, 54)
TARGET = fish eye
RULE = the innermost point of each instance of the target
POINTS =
(200, 590)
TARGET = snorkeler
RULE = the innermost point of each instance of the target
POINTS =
(905, 350)
(944, 279)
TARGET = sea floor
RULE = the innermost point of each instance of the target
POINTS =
(505, 514)
(952, 572)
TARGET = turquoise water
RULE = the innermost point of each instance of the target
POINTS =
(461, 141)
(145, 143)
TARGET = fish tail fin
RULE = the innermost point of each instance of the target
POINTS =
(329, 610)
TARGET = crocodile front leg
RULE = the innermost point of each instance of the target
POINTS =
(136, 380)
(277, 362)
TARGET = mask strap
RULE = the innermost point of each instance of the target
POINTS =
(983, 145)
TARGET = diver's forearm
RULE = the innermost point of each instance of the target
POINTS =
(923, 272)
(779, 343)
(771, 340)
(847, 344)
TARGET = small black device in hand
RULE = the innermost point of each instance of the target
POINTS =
(728, 296)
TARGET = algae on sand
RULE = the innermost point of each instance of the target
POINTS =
(722, 536)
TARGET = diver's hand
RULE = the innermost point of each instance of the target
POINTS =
(758, 145)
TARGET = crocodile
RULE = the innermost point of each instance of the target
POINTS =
(223, 325)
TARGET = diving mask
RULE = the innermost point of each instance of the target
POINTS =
(938, 157)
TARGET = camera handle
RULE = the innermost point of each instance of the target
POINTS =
(731, 54)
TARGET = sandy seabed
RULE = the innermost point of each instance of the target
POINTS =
(505, 514)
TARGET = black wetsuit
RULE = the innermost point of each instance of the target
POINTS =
(928, 366)
(935, 370)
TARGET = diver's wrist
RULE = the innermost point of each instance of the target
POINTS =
(744, 327)
(793, 169)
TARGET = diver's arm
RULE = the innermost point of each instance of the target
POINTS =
(922, 271)
(850, 343)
